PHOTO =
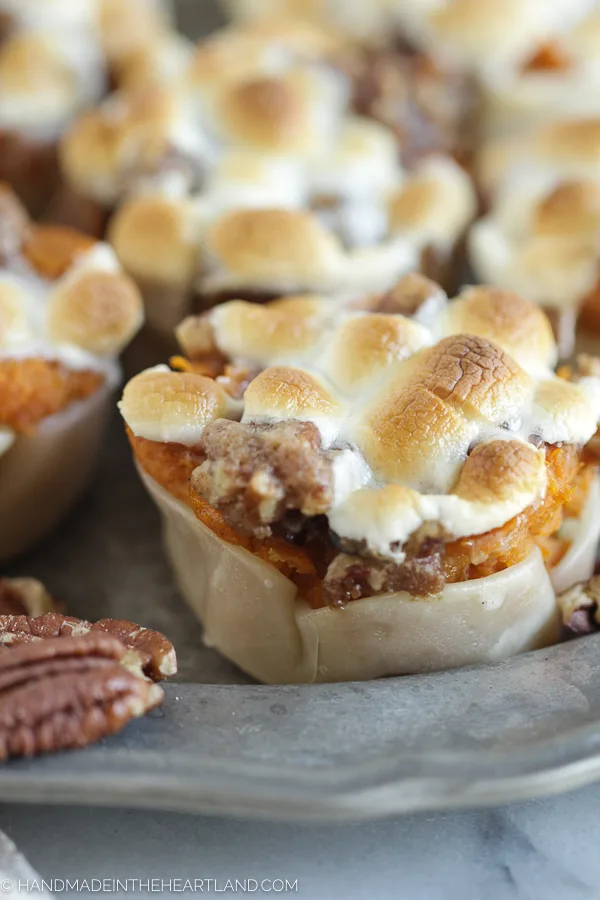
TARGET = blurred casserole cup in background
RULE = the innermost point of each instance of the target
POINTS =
(56, 58)
(523, 59)
(78, 16)
(345, 220)
(278, 90)
(541, 234)
(560, 79)
(46, 77)
(350, 493)
(233, 89)
(120, 30)
(66, 312)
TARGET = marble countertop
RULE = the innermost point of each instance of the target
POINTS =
(542, 850)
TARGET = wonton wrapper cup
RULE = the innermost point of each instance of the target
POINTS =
(251, 614)
(579, 561)
(43, 474)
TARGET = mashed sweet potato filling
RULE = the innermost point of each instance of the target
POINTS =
(32, 389)
(569, 477)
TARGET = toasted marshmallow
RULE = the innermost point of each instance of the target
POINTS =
(481, 35)
(157, 239)
(505, 318)
(162, 61)
(297, 250)
(568, 149)
(161, 405)
(561, 81)
(542, 241)
(291, 328)
(45, 78)
(28, 14)
(352, 18)
(128, 136)
(242, 88)
(96, 310)
(134, 26)
(267, 224)
(64, 295)
(284, 392)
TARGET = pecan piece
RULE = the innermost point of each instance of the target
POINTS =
(24, 596)
(579, 607)
(147, 652)
(64, 693)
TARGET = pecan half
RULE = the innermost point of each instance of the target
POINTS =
(146, 652)
(579, 607)
(24, 596)
(64, 693)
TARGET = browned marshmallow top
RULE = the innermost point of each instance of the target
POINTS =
(436, 424)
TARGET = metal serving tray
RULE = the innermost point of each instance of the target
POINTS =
(221, 744)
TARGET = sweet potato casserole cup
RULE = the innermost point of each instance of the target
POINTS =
(278, 89)
(119, 30)
(46, 77)
(350, 493)
(540, 235)
(527, 58)
(560, 78)
(57, 58)
(347, 221)
(472, 35)
(66, 311)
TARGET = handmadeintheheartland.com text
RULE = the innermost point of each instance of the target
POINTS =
(149, 886)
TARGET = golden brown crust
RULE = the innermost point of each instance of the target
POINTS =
(473, 375)
(97, 311)
(96, 152)
(127, 28)
(290, 393)
(161, 405)
(267, 113)
(408, 431)
(286, 326)
(274, 244)
(495, 470)
(156, 239)
(365, 346)
(572, 208)
(503, 316)
(28, 63)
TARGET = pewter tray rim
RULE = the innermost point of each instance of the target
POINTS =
(171, 762)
